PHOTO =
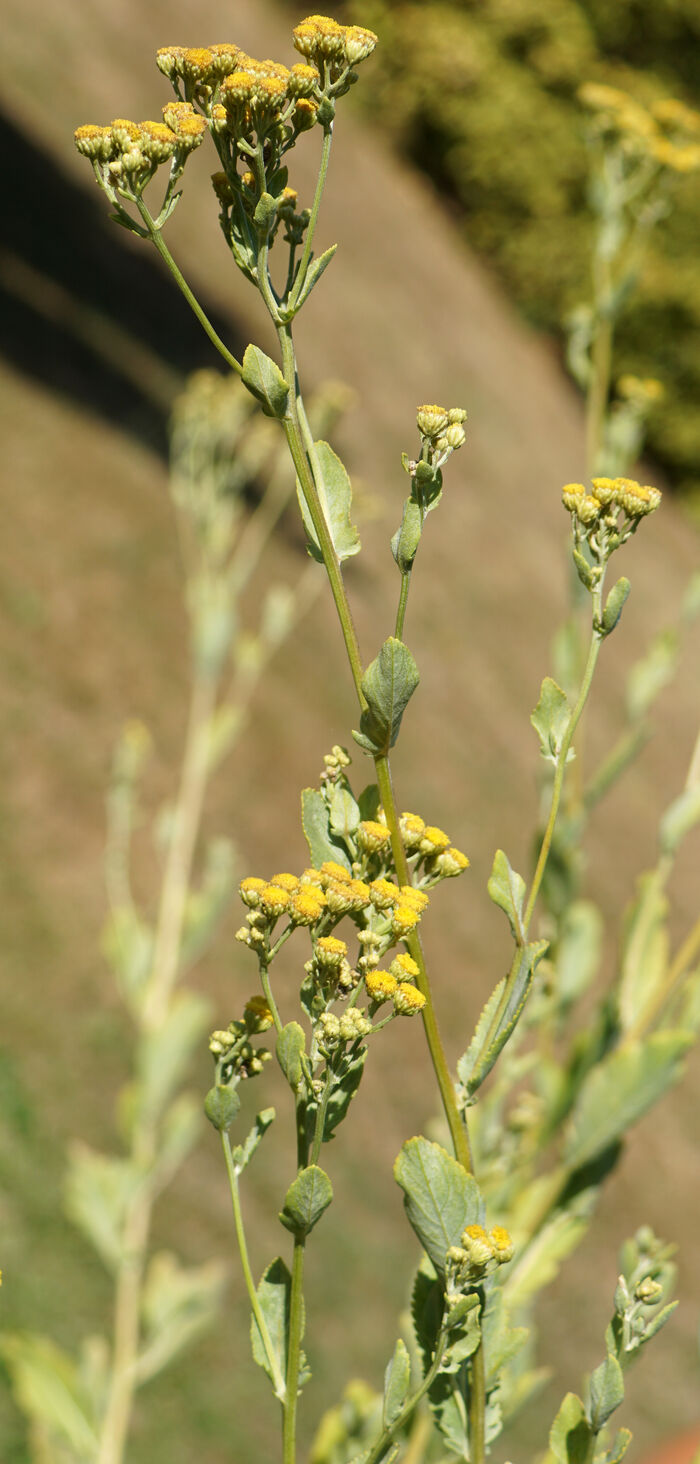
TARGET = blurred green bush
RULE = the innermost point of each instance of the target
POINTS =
(482, 95)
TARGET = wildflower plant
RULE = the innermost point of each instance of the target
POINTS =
(534, 1122)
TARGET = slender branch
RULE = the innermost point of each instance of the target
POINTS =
(320, 183)
(403, 601)
(320, 1122)
(182, 285)
(265, 979)
(277, 1379)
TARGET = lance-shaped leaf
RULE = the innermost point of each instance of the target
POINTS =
(507, 890)
(315, 818)
(47, 1387)
(615, 604)
(606, 1392)
(306, 1199)
(645, 956)
(343, 1090)
(619, 1091)
(388, 685)
(265, 382)
(550, 720)
(274, 1295)
(570, 1434)
(397, 1383)
(291, 1045)
(528, 958)
(441, 1199)
(243, 1153)
(313, 274)
(335, 496)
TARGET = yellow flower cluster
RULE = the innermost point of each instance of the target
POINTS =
(608, 496)
(432, 845)
(442, 427)
(126, 154)
(321, 40)
(667, 132)
(479, 1253)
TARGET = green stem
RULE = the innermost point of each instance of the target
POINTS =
(403, 600)
(320, 1122)
(296, 1318)
(320, 183)
(277, 1379)
(458, 1131)
(267, 989)
(182, 285)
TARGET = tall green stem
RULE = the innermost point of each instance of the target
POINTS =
(296, 1319)
(403, 601)
(277, 1379)
(318, 195)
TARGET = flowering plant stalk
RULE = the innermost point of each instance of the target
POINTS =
(534, 1121)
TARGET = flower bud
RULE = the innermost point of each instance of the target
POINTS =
(432, 421)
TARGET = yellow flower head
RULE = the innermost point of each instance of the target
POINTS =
(380, 985)
(502, 1244)
(404, 919)
(330, 951)
(451, 863)
(434, 840)
(286, 882)
(274, 900)
(305, 114)
(373, 836)
(417, 899)
(303, 80)
(307, 905)
(404, 967)
(224, 58)
(330, 871)
(158, 142)
(412, 829)
(605, 490)
(637, 499)
(383, 894)
(94, 142)
(432, 420)
(187, 124)
(408, 1000)
(250, 889)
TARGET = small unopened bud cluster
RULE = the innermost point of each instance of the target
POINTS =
(607, 516)
(441, 431)
(337, 1031)
(232, 1049)
(334, 764)
(477, 1256)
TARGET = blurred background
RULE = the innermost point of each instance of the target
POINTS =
(457, 195)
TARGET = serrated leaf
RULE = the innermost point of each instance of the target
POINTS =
(178, 1304)
(606, 1392)
(343, 1090)
(397, 1384)
(550, 719)
(468, 1060)
(335, 496)
(313, 274)
(99, 1190)
(291, 1045)
(315, 818)
(344, 812)
(570, 1434)
(447, 1399)
(441, 1199)
(507, 890)
(46, 1386)
(528, 959)
(274, 1298)
(265, 382)
(618, 1092)
(388, 685)
(243, 1153)
(306, 1199)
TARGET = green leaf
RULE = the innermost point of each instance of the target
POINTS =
(397, 1384)
(369, 802)
(614, 605)
(306, 1199)
(578, 950)
(427, 485)
(265, 382)
(179, 1303)
(617, 1093)
(427, 1306)
(179, 1131)
(441, 1199)
(274, 1296)
(388, 685)
(291, 1046)
(679, 819)
(99, 1190)
(221, 1106)
(404, 544)
(507, 890)
(313, 275)
(469, 1059)
(550, 720)
(651, 674)
(447, 1399)
(343, 1090)
(47, 1389)
(165, 1052)
(344, 812)
(335, 496)
(243, 1153)
(606, 1390)
(501, 1341)
(583, 569)
(528, 959)
(646, 951)
(265, 214)
(551, 1245)
(315, 818)
(616, 1453)
(570, 1434)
